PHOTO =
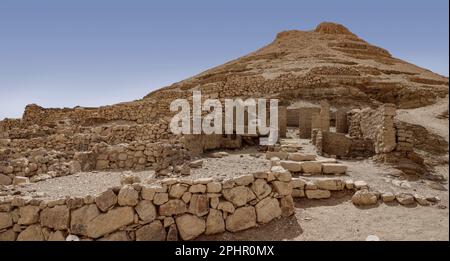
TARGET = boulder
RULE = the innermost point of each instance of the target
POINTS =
(160, 198)
(28, 215)
(312, 167)
(8, 235)
(31, 233)
(5, 180)
(199, 205)
(387, 197)
(405, 199)
(197, 188)
(214, 187)
(330, 184)
(172, 207)
(317, 194)
(109, 222)
(298, 183)
(5, 220)
(146, 210)
(190, 226)
(56, 217)
(151, 232)
(282, 188)
(214, 222)
(226, 206)
(128, 196)
(287, 206)
(331, 168)
(292, 166)
(177, 190)
(267, 210)
(244, 180)
(106, 200)
(261, 188)
(81, 217)
(20, 180)
(421, 200)
(364, 198)
(239, 196)
(242, 218)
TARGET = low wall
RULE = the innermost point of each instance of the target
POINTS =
(343, 146)
(172, 210)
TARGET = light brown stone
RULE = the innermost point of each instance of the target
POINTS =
(214, 222)
(190, 226)
(110, 221)
(106, 200)
(146, 210)
(151, 232)
(172, 207)
(242, 218)
(56, 217)
(267, 210)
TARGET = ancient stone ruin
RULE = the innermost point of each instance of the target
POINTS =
(344, 122)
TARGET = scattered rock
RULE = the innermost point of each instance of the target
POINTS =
(364, 198)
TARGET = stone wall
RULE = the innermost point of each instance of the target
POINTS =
(175, 209)
(343, 146)
(377, 125)
(305, 120)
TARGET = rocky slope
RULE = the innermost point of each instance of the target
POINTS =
(328, 62)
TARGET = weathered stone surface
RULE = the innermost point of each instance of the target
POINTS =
(199, 205)
(244, 180)
(20, 180)
(128, 196)
(405, 199)
(239, 196)
(349, 184)
(172, 234)
(57, 236)
(261, 188)
(81, 217)
(172, 207)
(190, 226)
(148, 192)
(214, 187)
(5, 180)
(330, 168)
(330, 184)
(282, 188)
(298, 193)
(116, 236)
(151, 232)
(282, 155)
(146, 210)
(312, 167)
(387, 197)
(317, 194)
(287, 206)
(129, 179)
(28, 215)
(197, 188)
(292, 166)
(196, 164)
(160, 198)
(214, 222)
(186, 197)
(8, 235)
(364, 198)
(110, 221)
(421, 200)
(106, 200)
(301, 157)
(56, 217)
(359, 184)
(267, 209)
(298, 183)
(5, 220)
(226, 206)
(242, 218)
(177, 190)
(31, 233)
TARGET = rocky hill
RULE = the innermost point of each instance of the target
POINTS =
(329, 62)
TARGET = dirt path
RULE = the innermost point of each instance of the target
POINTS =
(428, 117)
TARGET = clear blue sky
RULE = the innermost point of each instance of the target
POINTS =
(60, 53)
